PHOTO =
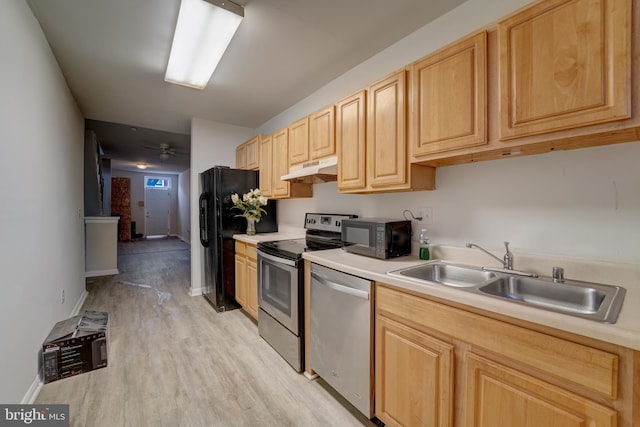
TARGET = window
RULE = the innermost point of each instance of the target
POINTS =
(163, 183)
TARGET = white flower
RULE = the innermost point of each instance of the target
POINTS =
(235, 198)
(263, 200)
(256, 192)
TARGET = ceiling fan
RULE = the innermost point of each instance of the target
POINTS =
(165, 150)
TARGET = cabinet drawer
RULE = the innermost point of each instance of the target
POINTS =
(588, 367)
(240, 248)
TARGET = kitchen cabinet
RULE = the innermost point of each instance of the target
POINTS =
(241, 156)
(448, 98)
(372, 143)
(280, 163)
(506, 372)
(247, 154)
(351, 140)
(298, 142)
(564, 64)
(322, 142)
(247, 277)
(274, 162)
(414, 382)
(266, 165)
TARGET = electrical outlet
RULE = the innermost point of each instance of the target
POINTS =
(427, 216)
(62, 299)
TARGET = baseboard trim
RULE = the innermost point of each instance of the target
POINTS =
(33, 392)
(195, 292)
(181, 238)
(79, 303)
(96, 273)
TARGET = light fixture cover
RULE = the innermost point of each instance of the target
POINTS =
(142, 166)
(202, 34)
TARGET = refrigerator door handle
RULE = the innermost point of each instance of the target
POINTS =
(204, 226)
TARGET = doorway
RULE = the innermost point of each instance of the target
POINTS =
(157, 206)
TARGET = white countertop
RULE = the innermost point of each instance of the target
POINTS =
(625, 332)
(284, 233)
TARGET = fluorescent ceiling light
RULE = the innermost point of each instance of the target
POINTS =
(203, 32)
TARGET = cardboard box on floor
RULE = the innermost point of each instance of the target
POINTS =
(75, 345)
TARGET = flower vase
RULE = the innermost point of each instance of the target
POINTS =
(251, 226)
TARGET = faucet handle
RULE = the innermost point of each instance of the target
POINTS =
(506, 245)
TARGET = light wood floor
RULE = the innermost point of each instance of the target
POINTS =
(174, 361)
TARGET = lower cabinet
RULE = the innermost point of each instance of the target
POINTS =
(247, 277)
(440, 365)
(414, 377)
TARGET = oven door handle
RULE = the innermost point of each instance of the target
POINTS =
(276, 259)
(340, 288)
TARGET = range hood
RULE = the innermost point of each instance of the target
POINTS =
(318, 171)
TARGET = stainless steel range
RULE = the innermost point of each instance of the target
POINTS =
(281, 284)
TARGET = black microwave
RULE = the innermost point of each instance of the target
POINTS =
(377, 237)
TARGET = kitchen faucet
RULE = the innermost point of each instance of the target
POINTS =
(508, 257)
(507, 261)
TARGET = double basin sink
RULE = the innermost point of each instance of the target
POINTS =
(592, 301)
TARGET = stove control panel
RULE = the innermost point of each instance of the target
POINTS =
(325, 222)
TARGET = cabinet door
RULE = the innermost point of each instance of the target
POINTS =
(448, 98)
(266, 165)
(241, 281)
(241, 157)
(350, 141)
(564, 64)
(252, 154)
(322, 141)
(498, 396)
(299, 142)
(414, 377)
(386, 132)
(252, 287)
(280, 163)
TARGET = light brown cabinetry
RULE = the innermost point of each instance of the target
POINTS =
(266, 165)
(247, 277)
(414, 385)
(564, 64)
(351, 139)
(494, 372)
(322, 142)
(500, 396)
(274, 162)
(298, 142)
(372, 144)
(280, 188)
(247, 154)
(448, 98)
(559, 77)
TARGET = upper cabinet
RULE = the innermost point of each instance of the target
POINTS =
(266, 164)
(280, 163)
(247, 155)
(449, 98)
(350, 141)
(274, 162)
(298, 142)
(564, 64)
(372, 141)
(322, 142)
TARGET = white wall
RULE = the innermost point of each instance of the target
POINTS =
(212, 144)
(184, 206)
(137, 195)
(41, 183)
(583, 203)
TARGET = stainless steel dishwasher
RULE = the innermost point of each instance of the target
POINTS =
(340, 341)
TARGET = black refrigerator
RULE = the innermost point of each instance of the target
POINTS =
(218, 224)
